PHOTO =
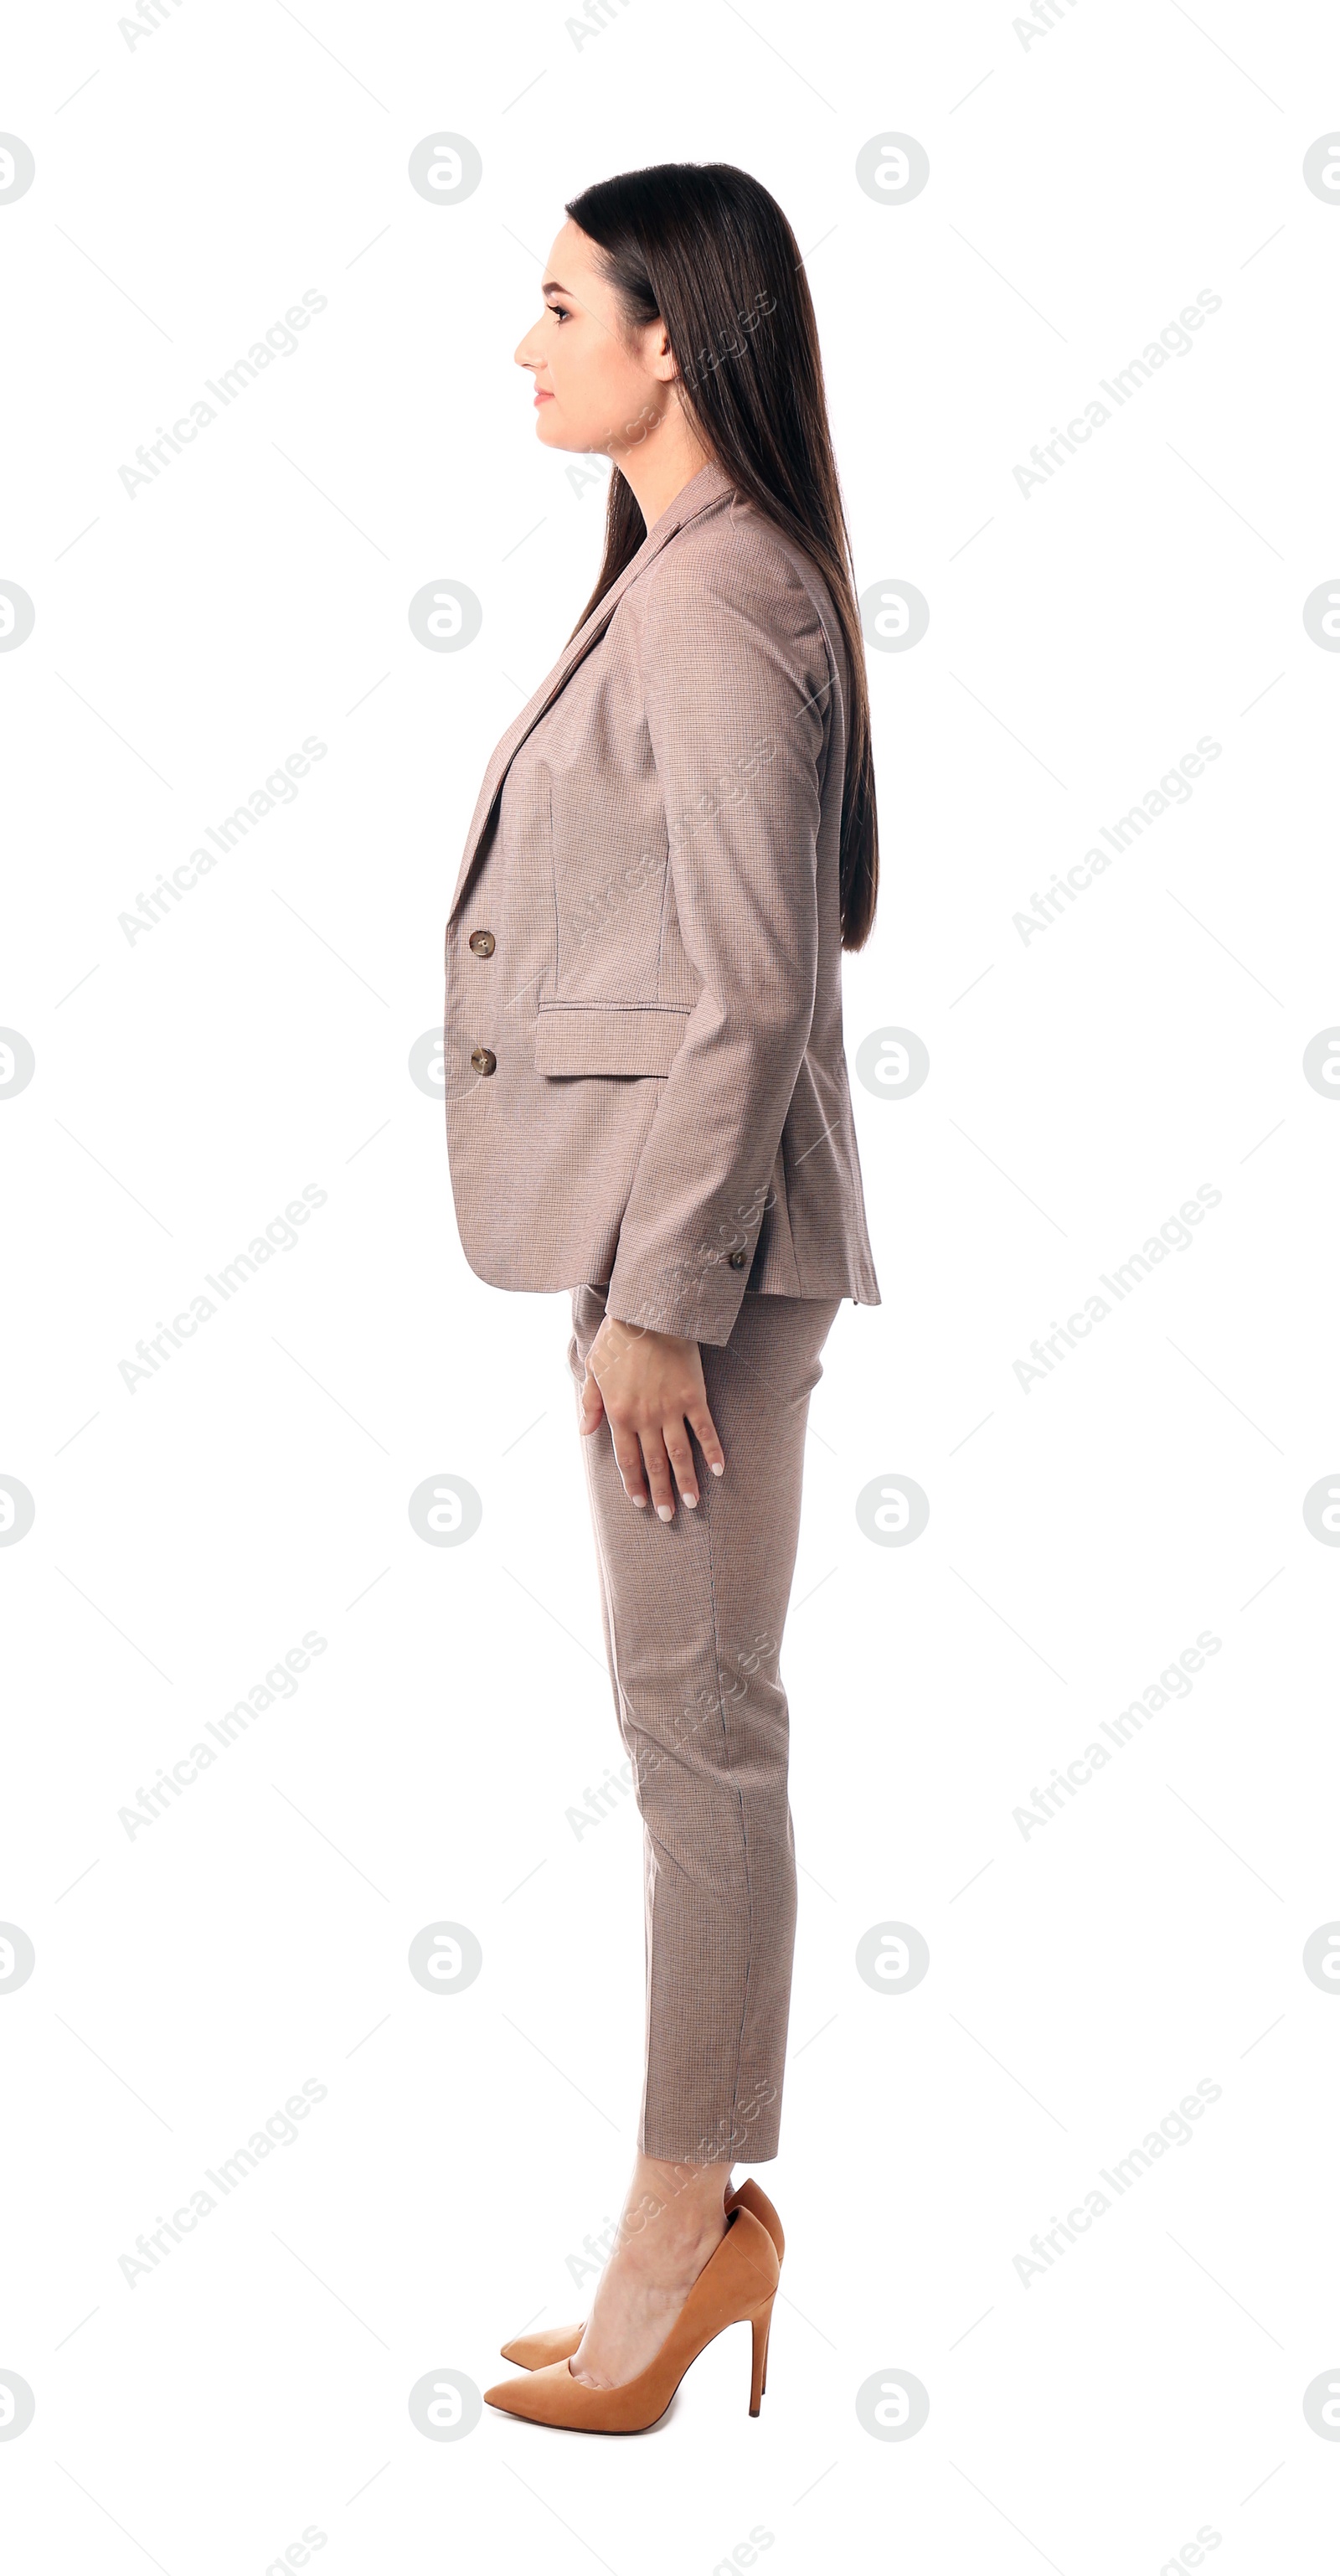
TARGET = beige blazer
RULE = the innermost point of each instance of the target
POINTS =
(645, 1076)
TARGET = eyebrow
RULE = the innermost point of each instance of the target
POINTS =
(551, 287)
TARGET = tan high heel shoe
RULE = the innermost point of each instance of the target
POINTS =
(738, 2281)
(558, 2343)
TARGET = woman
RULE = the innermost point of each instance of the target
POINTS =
(647, 1103)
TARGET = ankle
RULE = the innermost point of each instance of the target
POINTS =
(674, 2245)
(658, 2187)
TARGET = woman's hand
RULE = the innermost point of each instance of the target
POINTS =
(648, 1386)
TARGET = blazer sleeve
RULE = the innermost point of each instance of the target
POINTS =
(738, 697)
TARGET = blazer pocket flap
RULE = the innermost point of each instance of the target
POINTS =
(608, 1037)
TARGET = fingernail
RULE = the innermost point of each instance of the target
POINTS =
(665, 1511)
(691, 1502)
(641, 1501)
(717, 1470)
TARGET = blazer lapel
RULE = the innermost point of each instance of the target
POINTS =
(705, 487)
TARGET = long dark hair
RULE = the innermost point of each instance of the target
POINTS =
(703, 248)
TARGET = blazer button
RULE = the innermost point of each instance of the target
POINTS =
(482, 943)
(738, 1260)
(484, 1060)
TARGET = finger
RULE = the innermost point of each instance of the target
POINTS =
(590, 1403)
(708, 1442)
(680, 1455)
(628, 1458)
(658, 1474)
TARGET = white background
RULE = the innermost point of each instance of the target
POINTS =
(1084, 187)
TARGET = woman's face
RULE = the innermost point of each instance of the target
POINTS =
(599, 386)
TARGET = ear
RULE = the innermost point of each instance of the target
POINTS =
(661, 359)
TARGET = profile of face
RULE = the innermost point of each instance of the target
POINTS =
(601, 385)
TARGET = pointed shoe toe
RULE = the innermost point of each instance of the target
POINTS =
(536, 2351)
(530, 2395)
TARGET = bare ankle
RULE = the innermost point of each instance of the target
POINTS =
(675, 2201)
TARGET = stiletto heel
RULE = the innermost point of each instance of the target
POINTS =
(738, 2281)
(762, 2324)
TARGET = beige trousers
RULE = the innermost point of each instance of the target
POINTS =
(694, 1610)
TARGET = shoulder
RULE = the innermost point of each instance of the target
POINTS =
(731, 550)
(730, 571)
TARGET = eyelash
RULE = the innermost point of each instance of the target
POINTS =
(561, 312)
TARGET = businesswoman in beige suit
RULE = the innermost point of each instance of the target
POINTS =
(647, 1104)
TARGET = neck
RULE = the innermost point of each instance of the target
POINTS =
(661, 463)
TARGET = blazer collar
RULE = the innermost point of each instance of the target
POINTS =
(708, 485)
